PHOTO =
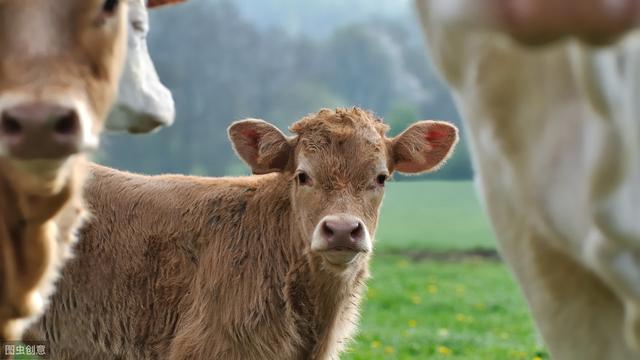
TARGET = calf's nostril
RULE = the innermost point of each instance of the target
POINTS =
(328, 232)
(66, 124)
(357, 232)
(10, 125)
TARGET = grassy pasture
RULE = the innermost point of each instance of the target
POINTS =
(468, 309)
(432, 215)
(443, 310)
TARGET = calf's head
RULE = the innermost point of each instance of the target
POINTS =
(59, 69)
(336, 167)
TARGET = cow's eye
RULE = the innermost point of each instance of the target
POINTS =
(110, 6)
(303, 178)
(381, 179)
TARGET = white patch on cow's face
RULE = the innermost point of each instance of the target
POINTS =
(144, 103)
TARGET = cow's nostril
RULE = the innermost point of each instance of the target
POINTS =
(357, 232)
(10, 125)
(328, 232)
(67, 124)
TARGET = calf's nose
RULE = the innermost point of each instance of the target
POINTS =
(40, 131)
(343, 233)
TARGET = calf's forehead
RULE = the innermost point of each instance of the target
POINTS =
(341, 158)
(345, 139)
(345, 143)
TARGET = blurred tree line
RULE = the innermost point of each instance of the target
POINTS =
(222, 66)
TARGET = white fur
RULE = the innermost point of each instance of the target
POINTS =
(144, 103)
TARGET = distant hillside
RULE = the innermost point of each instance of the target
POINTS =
(319, 18)
(279, 60)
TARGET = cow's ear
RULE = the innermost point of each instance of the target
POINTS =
(424, 146)
(156, 3)
(261, 145)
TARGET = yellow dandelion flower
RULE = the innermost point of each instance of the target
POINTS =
(536, 358)
(443, 350)
(412, 323)
(375, 344)
(432, 289)
(389, 350)
(481, 307)
(416, 299)
(461, 317)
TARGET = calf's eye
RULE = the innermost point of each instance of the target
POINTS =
(381, 179)
(303, 178)
(110, 6)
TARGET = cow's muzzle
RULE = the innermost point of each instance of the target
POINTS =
(35, 130)
(341, 238)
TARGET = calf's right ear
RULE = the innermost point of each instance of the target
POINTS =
(261, 145)
(424, 146)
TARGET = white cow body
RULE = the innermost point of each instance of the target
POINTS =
(554, 134)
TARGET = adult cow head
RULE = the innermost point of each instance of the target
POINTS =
(59, 68)
(542, 21)
(144, 103)
(336, 166)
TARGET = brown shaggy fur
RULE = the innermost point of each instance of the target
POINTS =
(79, 55)
(187, 267)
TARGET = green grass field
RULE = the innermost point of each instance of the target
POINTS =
(469, 309)
(434, 215)
(439, 310)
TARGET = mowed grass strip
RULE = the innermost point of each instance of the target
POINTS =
(432, 215)
(438, 310)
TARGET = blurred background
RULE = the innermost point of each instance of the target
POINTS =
(439, 289)
(280, 60)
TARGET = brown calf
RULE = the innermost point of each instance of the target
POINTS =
(263, 267)
(59, 68)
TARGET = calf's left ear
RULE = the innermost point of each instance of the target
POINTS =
(424, 146)
(261, 145)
